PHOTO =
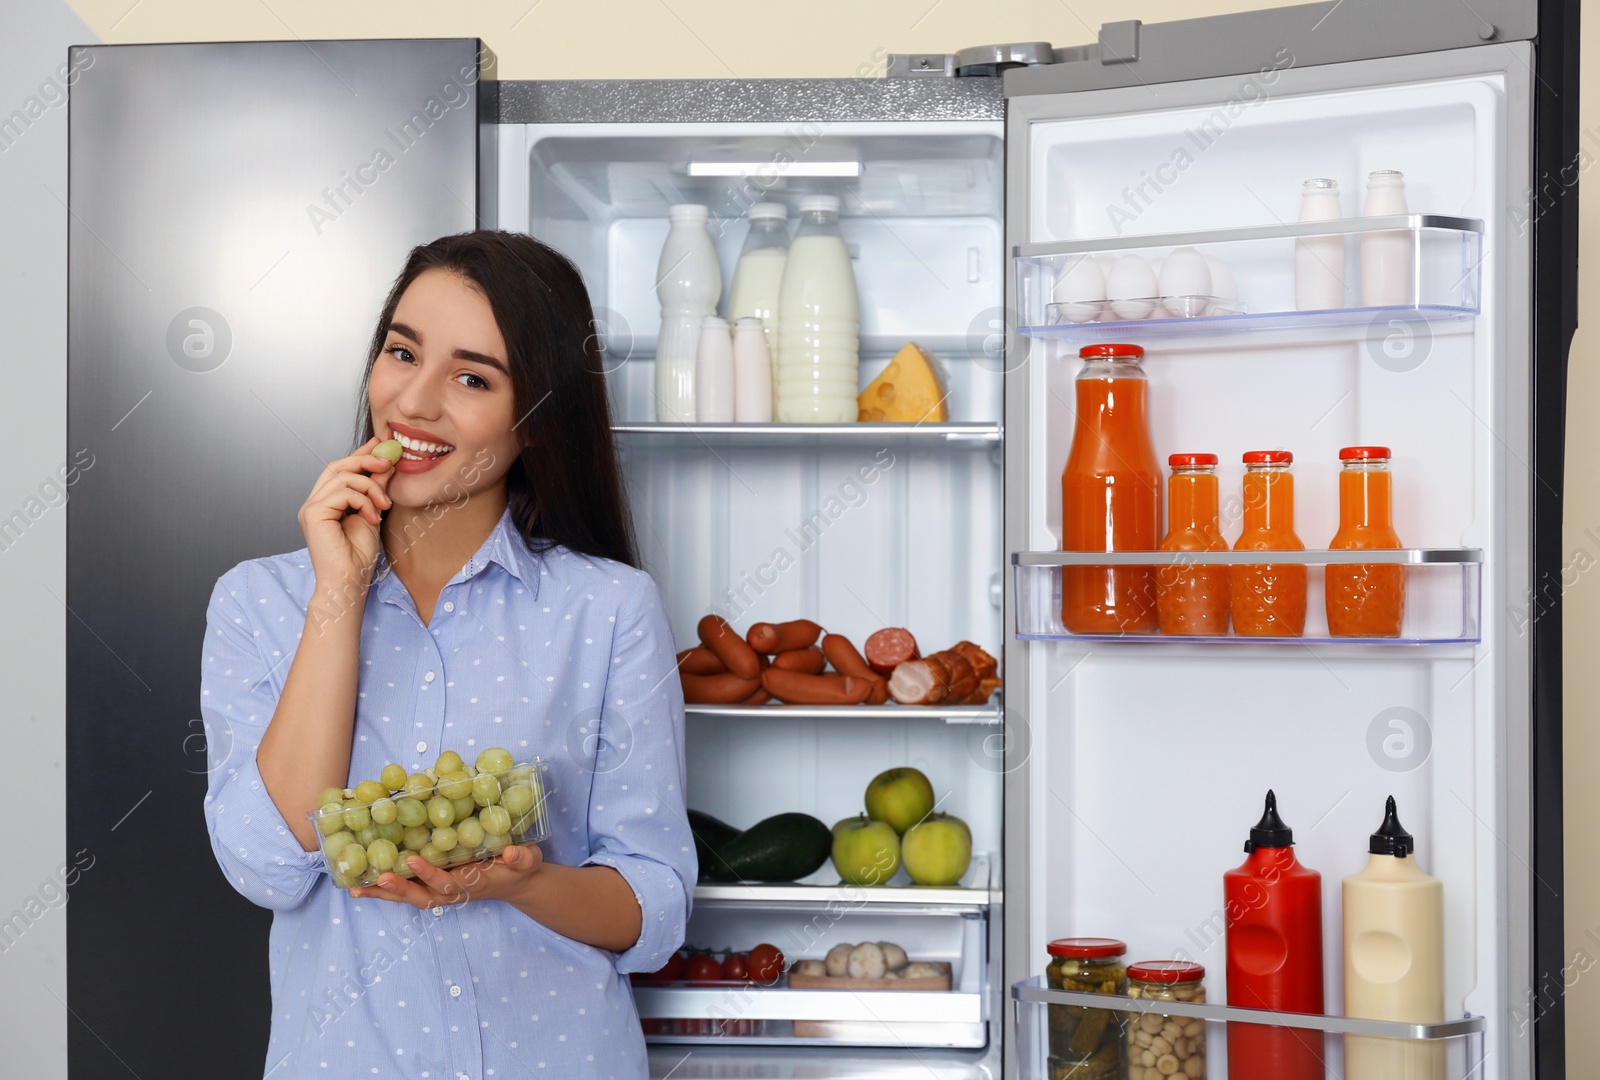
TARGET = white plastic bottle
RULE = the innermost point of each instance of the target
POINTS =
(689, 285)
(1319, 260)
(1393, 957)
(713, 373)
(758, 275)
(1386, 257)
(818, 374)
(752, 372)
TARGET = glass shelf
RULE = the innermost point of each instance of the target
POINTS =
(824, 889)
(717, 436)
(952, 714)
(1060, 297)
(1442, 593)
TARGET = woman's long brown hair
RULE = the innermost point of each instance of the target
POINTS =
(565, 486)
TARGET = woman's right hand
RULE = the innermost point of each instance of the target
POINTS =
(344, 547)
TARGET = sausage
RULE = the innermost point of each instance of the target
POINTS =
(758, 697)
(724, 689)
(700, 661)
(797, 688)
(783, 637)
(731, 649)
(846, 661)
(889, 648)
(809, 660)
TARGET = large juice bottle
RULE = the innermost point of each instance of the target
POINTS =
(1268, 600)
(1365, 600)
(1273, 907)
(1110, 496)
(1192, 599)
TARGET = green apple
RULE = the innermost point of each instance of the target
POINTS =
(865, 852)
(937, 851)
(901, 797)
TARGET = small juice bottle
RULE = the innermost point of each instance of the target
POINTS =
(1365, 600)
(1268, 600)
(1110, 496)
(1192, 599)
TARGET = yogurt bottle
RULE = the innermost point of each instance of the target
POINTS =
(817, 368)
(689, 285)
(1319, 260)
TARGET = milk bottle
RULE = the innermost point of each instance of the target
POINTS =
(758, 275)
(817, 370)
(1386, 263)
(1319, 260)
(688, 284)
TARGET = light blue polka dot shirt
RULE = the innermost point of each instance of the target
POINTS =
(565, 657)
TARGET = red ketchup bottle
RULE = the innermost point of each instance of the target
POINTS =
(1273, 907)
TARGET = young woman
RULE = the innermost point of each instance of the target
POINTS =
(481, 593)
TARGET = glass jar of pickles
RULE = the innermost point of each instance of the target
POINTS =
(1166, 1047)
(1085, 1043)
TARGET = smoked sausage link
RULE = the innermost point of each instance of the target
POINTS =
(846, 661)
(700, 661)
(783, 637)
(810, 661)
(731, 649)
(797, 688)
(889, 648)
(724, 689)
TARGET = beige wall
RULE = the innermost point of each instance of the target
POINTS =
(563, 39)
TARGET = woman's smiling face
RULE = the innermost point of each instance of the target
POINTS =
(442, 379)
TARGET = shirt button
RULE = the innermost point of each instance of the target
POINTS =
(428, 677)
(438, 910)
(455, 991)
(449, 605)
(422, 747)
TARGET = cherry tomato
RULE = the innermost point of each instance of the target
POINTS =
(702, 968)
(735, 967)
(671, 971)
(765, 964)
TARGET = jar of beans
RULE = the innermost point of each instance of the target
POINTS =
(1085, 1043)
(1162, 1046)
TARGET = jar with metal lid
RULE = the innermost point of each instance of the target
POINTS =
(1160, 1046)
(1085, 1043)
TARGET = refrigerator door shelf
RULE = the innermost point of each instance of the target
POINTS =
(1060, 295)
(954, 714)
(824, 891)
(1442, 605)
(1032, 1001)
(805, 436)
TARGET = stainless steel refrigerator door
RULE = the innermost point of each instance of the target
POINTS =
(238, 213)
(1502, 766)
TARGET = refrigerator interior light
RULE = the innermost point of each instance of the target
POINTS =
(790, 168)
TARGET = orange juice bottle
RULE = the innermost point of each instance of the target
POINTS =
(1192, 599)
(1268, 600)
(1365, 600)
(1110, 496)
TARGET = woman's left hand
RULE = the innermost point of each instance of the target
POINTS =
(505, 877)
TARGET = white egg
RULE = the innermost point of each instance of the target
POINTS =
(1131, 288)
(1222, 287)
(1185, 283)
(1080, 290)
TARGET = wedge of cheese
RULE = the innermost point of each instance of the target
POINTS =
(911, 389)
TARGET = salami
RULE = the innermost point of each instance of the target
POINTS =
(889, 648)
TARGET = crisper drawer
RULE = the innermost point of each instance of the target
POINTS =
(794, 1011)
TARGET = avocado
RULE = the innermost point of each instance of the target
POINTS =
(784, 847)
(709, 835)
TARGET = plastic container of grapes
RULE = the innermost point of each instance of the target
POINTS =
(512, 809)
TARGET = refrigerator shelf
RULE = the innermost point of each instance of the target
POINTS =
(1442, 605)
(1341, 324)
(823, 888)
(806, 436)
(952, 714)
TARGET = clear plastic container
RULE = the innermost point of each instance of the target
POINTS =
(361, 840)
(1161, 1046)
(1086, 1044)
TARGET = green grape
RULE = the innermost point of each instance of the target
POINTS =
(496, 821)
(470, 833)
(381, 855)
(495, 759)
(390, 449)
(495, 843)
(416, 837)
(383, 811)
(448, 762)
(520, 827)
(522, 774)
(332, 843)
(455, 785)
(444, 838)
(432, 774)
(464, 807)
(402, 866)
(459, 855)
(433, 855)
(469, 770)
(330, 795)
(441, 811)
(357, 817)
(351, 860)
(369, 792)
(409, 812)
(517, 800)
(346, 881)
(393, 777)
(485, 789)
(391, 832)
(330, 819)
(419, 786)
(367, 835)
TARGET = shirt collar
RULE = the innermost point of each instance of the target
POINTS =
(503, 546)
